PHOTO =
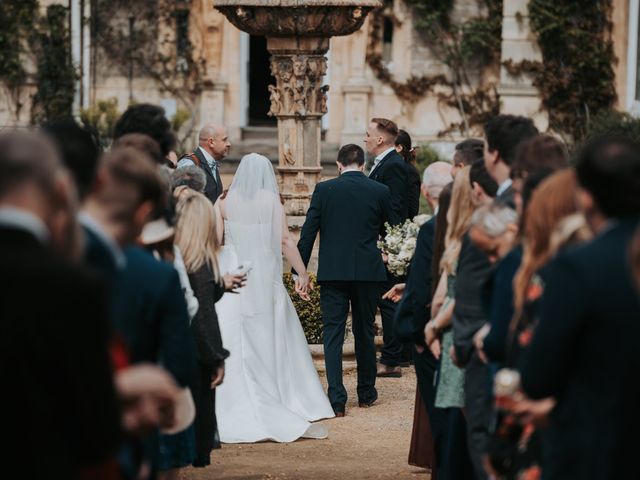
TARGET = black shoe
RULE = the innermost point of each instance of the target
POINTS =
(368, 403)
(338, 409)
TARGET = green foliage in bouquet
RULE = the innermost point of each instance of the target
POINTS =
(309, 312)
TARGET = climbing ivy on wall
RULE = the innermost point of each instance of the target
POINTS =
(467, 48)
(16, 24)
(575, 78)
(56, 75)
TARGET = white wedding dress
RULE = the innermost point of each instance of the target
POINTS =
(271, 389)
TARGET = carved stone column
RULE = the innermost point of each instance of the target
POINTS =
(298, 101)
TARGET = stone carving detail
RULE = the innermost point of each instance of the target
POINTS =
(299, 91)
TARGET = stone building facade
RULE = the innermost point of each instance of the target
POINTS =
(237, 76)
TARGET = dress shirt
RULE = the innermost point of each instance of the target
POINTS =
(379, 158)
(213, 164)
(89, 223)
(24, 220)
(504, 186)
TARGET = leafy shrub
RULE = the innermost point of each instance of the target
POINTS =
(612, 122)
(309, 312)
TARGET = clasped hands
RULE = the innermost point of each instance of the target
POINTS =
(303, 286)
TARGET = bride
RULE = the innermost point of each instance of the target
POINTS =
(271, 389)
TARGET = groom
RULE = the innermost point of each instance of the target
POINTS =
(349, 211)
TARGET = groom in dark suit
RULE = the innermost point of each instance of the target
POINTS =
(349, 211)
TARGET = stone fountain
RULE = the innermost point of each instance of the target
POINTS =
(298, 34)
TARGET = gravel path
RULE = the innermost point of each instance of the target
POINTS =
(368, 443)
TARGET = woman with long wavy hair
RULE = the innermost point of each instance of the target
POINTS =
(438, 332)
(552, 223)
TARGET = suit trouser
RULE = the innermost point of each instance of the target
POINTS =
(391, 352)
(478, 406)
(335, 298)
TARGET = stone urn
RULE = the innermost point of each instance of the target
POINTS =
(298, 33)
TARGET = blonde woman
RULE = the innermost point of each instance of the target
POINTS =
(196, 236)
(438, 332)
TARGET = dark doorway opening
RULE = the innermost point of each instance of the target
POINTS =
(259, 80)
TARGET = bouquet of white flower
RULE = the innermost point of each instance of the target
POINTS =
(399, 244)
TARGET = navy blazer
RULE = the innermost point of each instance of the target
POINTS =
(469, 313)
(499, 304)
(151, 314)
(392, 171)
(584, 353)
(413, 313)
(349, 211)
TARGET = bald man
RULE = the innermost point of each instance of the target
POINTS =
(213, 146)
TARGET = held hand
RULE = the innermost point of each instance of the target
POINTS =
(436, 348)
(534, 411)
(396, 292)
(148, 395)
(303, 286)
(385, 258)
(430, 333)
(233, 282)
(218, 377)
(478, 342)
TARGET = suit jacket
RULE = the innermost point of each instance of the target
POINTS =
(151, 314)
(469, 314)
(413, 310)
(392, 171)
(413, 193)
(205, 326)
(54, 362)
(498, 293)
(584, 352)
(349, 211)
(214, 188)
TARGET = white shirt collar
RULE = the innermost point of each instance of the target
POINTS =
(116, 252)
(210, 160)
(383, 154)
(436, 210)
(504, 186)
(350, 169)
(24, 220)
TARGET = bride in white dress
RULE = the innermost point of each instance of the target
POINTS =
(271, 389)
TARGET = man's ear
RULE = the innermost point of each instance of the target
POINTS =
(339, 166)
(143, 213)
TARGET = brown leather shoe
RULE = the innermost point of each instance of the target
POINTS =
(338, 409)
(388, 372)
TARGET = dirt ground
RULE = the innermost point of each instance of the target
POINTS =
(368, 443)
